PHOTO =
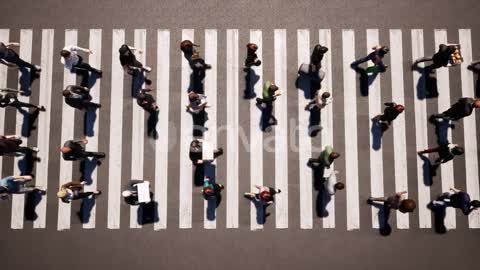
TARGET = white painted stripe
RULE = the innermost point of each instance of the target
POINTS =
(425, 218)
(374, 108)
(18, 200)
(138, 115)
(281, 130)
(470, 128)
(116, 120)
(161, 145)
(304, 141)
(185, 209)
(232, 129)
(399, 138)
(327, 116)
(351, 148)
(256, 135)
(68, 113)
(95, 60)
(211, 93)
(41, 176)
(443, 83)
(4, 37)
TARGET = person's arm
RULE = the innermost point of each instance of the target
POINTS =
(22, 178)
(79, 89)
(82, 141)
(455, 190)
(389, 104)
(135, 49)
(76, 48)
(8, 45)
(7, 63)
(71, 185)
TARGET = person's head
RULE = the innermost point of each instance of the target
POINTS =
(65, 149)
(475, 203)
(266, 196)
(126, 193)
(407, 206)
(65, 53)
(66, 93)
(385, 49)
(450, 49)
(272, 89)
(325, 95)
(124, 49)
(458, 150)
(339, 186)
(61, 194)
(192, 96)
(252, 46)
(334, 155)
(321, 49)
(399, 108)
(208, 191)
(476, 103)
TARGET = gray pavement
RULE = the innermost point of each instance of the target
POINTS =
(222, 248)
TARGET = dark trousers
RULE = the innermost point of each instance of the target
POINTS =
(82, 69)
(15, 59)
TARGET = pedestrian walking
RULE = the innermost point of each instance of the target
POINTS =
(457, 198)
(269, 95)
(439, 59)
(16, 185)
(129, 62)
(390, 113)
(462, 108)
(130, 196)
(376, 57)
(398, 201)
(79, 97)
(75, 150)
(317, 56)
(252, 57)
(10, 58)
(446, 152)
(196, 152)
(331, 184)
(325, 159)
(147, 101)
(265, 194)
(8, 97)
(188, 47)
(73, 191)
(211, 190)
(320, 101)
(196, 102)
(10, 144)
(74, 63)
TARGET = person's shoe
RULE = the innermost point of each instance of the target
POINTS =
(369, 201)
(38, 68)
(221, 186)
(220, 151)
(35, 149)
(98, 105)
(41, 190)
(101, 155)
(279, 191)
(98, 72)
(147, 69)
(208, 66)
(42, 109)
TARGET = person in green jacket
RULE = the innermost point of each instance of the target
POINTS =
(269, 95)
(325, 159)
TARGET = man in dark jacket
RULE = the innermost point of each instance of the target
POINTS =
(11, 145)
(79, 97)
(75, 150)
(463, 107)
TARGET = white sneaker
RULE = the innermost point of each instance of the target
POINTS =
(42, 189)
(35, 149)
(39, 68)
(147, 69)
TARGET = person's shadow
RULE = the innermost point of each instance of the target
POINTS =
(441, 130)
(439, 214)
(32, 199)
(86, 209)
(27, 163)
(427, 84)
(138, 79)
(87, 167)
(383, 216)
(366, 78)
(251, 78)
(261, 210)
(147, 213)
(377, 133)
(304, 83)
(199, 120)
(29, 119)
(198, 174)
(214, 201)
(428, 170)
(26, 79)
(267, 119)
(89, 122)
(314, 122)
(323, 197)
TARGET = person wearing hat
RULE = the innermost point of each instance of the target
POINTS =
(462, 108)
(252, 57)
(439, 59)
(130, 196)
(457, 198)
(128, 60)
(376, 57)
(390, 113)
(73, 191)
(265, 194)
(446, 152)
(16, 185)
(79, 97)
(210, 190)
(75, 150)
(325, 159)
(398, 201)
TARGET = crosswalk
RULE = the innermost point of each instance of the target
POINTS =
(244, 163)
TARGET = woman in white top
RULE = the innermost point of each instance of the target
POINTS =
(74, 62)
(319, 101)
